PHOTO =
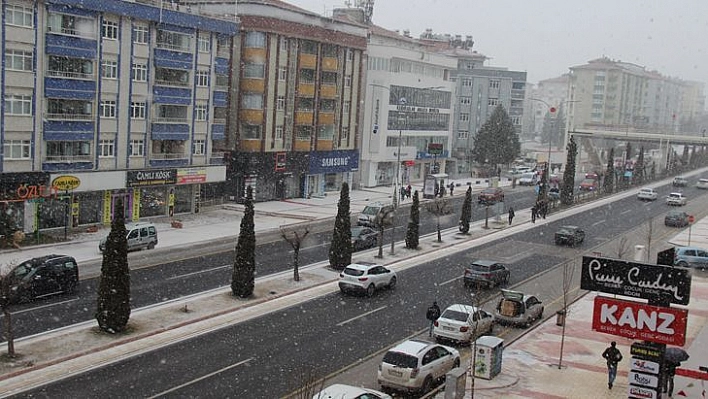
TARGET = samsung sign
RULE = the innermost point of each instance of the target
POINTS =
(333, 161)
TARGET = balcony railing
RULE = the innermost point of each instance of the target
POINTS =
(168, 155)
(68, 116)
(70, 75)
(162, 82)
(219, 121)
(67, 158)
(172, 119)
(174, 47)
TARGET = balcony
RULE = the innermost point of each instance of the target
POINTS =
(171, 119)
(70, 75)
(175, 83)
(216, 158)
(219, 121)
(69, 117)
(161, 159)
(183, 47)
(67, 158)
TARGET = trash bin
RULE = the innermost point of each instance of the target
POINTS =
(560, 317)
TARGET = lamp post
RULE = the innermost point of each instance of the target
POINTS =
(545, 179)
(401, 101)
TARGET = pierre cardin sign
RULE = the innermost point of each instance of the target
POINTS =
(151, 177)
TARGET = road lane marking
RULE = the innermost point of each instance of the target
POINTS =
(32, 309)
(627, 211)
(361, 315)
(199, 272)
(598, 222)
(449, 281)
(163, 393)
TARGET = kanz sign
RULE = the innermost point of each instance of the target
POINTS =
(638, 280)
(640, 321)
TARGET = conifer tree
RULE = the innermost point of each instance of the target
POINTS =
(243, 276)
(568, 184)
(497, 141)
(639, 167)
(466, 216)
(113, 307)
(412, 233)
(340, 252)
(609, 183)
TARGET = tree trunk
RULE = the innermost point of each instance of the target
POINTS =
(296, 262)
(8, 333)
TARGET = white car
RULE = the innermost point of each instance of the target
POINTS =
(647, 194)
(702, 184)
(366, 277)
(416, 366)
(528, 179)
(341, 391)
(462, 323)
(675, 199)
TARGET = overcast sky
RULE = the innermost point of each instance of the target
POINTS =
(544, 37)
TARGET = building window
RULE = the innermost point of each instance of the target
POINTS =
(493, 84)
(201, 112)
(137, 110)
(347, 81)
(326, 132)
(140, 34)
(344, 135)
(282, 73)
(350, 55)
(329, 78)
(68, 150)
(329, 50)
(283, 43)
(204, 44)
(136, 148)
(516, 120)
(199, 147)
(466, 100)
(252, 71)
(303, 133)
(345, 108)
(108, 109)
(493, 102)
(252, 101)
(139, 73)
(308, 47)
(109, 69)
(68, 67)
(202, 78)
(279, 132)
(109, 30)
(174, 40)
(306, 104)
(19, 16)
(105, 149)
(18, 104)
(467, 82)
(18, 60)
(464, 117)
(463, 135)
(250, 132)
(307, 76)
(280, 103)
(222, 81)
(16, 149)
(255, 40)
(71, 25)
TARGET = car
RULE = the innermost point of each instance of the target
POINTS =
(676, 199)
(363, 237)
(588, 185)
(691, 257)
(366, 277)
(490, 196)
(592, 175)
(679, 181)
(142, 235)
(675, 218)
(415, 366)
(569, 235)
(41, 277)
(647, 194)
(528, 179)
(487, 273)
(702, 184)
(375, 213)
(462, 323)
(341, 391)
(517, 308)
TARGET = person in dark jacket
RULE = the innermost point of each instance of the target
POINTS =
(432, 314)
(613, 356)
(511, 215)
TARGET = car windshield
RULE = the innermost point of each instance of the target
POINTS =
(371, 210)
(350, 271)
(479, 268)
(401, 360)
(566, 230)
(455, 315)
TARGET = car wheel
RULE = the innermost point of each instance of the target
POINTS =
(370, 290)
(682, 264)
(151, 245)
(456, 364)
(540, 314)
(392, 283)
(427, 385)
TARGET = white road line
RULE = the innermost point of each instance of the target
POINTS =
(361, 315)
(598, 222)
(199, 272)
(627, 211)
(42, 307)
(449, 281)
(200, 378)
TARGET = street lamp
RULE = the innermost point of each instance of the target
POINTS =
(401, 101)
(545, 179)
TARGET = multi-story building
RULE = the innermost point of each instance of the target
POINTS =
(108, 102)
(551, 92)
(294, 122)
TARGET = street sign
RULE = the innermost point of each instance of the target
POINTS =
(435, 149)
(691, 219)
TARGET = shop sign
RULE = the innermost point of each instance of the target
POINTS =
(191, 175)
(151, 177)
(637, 320)
(642, 392)
(638, 280)
(644, 366)
(333, 161)
(647, 351)
(645, 380)
(66, 183)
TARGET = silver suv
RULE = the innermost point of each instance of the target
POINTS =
(416, 366)
(691, 257)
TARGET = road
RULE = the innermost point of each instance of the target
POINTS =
(276, 353)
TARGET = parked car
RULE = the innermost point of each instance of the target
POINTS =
(516, 308)
(592, 175)
(691, 257)
(42, 277)
(679, 181)
(416, 366)
(490, 196)
(363, 237)
(374, 213)
(341, 391)
(675, 199)
(487, 273)
(588, 185)
(462, 323)
(569, 235)
(675, 218)
(528, 179)
(702, 184)
(141, 235)
(647, 194)
(366, 277)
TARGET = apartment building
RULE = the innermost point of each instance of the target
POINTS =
(109, 102)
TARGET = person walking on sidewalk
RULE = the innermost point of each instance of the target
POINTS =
(613, 356)
(403, 193)
(432, 314)
(533, 214)
(408, 191)
(511, 215)
(452, 187)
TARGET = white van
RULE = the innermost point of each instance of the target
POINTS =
(367, 217)
(140, 236)
(528, 179)
(702, 183)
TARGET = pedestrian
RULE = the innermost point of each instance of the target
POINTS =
(442, 191)
(544, 208)
(403, 193)
(668, 374)
(408, 191)
(452, 187)
(432, 314)
(533, 214)
(511, 215)
(437, 190)
(613, 356)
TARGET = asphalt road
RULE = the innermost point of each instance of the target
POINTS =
(272, 355)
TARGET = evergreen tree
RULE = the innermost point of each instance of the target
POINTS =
(609, 182)
(340, 252)
(629, 151)
(497, 141)
(113, 310)
(243, 276)
(568, 184)
(412, 234)
(638, 175)
(7, 223)
(466, 215)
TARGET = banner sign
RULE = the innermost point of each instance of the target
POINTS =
(647, 350)
(638, 280)
(333, 161)
(636, 320)
(151, 177)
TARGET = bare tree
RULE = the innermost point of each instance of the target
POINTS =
(311, 386)
(295, 238)
(650, 236)
(622, 247)
(438, 207)
(5, 304)
(567, 286)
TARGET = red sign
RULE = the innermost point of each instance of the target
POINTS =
(410, 163)
(636, 320)
(691, 219)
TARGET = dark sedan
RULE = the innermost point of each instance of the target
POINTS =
(569, 235)
(363, 238)
(487, 273)
(676, 219)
